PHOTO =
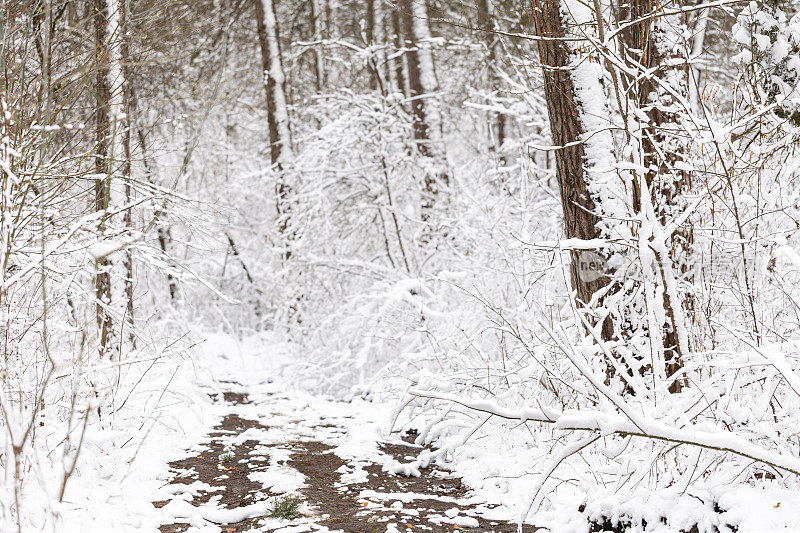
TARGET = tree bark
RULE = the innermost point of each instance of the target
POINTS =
(277, 109)
(580, 220)
(497, 121)
(400, 58)
(423, 87)
(318, 51)
(651, 46)
(102, 276)
(127, 108)
(374, 39)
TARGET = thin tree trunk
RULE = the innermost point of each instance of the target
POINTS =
(119, 164)
(655, 47)
(370, 38)
(695, 72)
(497, 121)
(126, 146)
(400, 58)
(277, 109)
(421, 76)
(427, 122)
(319, 50)
(102, 277)
(374, 39)
(163, 233)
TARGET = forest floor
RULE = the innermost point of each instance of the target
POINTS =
(287, 462)
(221, 442)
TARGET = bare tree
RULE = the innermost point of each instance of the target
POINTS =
(400, 64)
(486, 24)
(102, 181)
(315, 12)
(374, 37)
(654, 49)
(423, 89)
(123, 126)
(277, 109)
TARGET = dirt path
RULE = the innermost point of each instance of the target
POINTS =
(241, 479)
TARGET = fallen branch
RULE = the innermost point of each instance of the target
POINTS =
(609, 424)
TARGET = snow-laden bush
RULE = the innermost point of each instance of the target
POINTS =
(373, 299)
(480, 329)
(77, 352)
(768, 33)
(622, 435)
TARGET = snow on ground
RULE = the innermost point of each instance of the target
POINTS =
(116, 484)
(122, 499)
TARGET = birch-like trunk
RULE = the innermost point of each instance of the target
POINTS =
(119, 164)
(277, 110)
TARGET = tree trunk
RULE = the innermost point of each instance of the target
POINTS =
(580, 220)
(400, 66)
(497, 121)
(319, 50)
(423, 87)
(127, 108)
(102, 276)
(695, 72)
(374, 39)
(277, 109)
(656, 47)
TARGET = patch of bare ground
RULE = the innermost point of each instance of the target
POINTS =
(219, 466)
(336, 506)
(236, 398)
(341, 508)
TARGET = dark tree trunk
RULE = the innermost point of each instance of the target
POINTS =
(269, 84)
(661, 146)
(427, 134)
(421, 130)
(497, 121)
(565, 126)
(127, 105)
(399, 61)
(319, 67)
(374, 80)
(640, 47)
(374, 36)
(102, 278)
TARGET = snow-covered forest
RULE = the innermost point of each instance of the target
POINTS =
(400, 265)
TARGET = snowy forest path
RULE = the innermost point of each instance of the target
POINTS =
(269, 466)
